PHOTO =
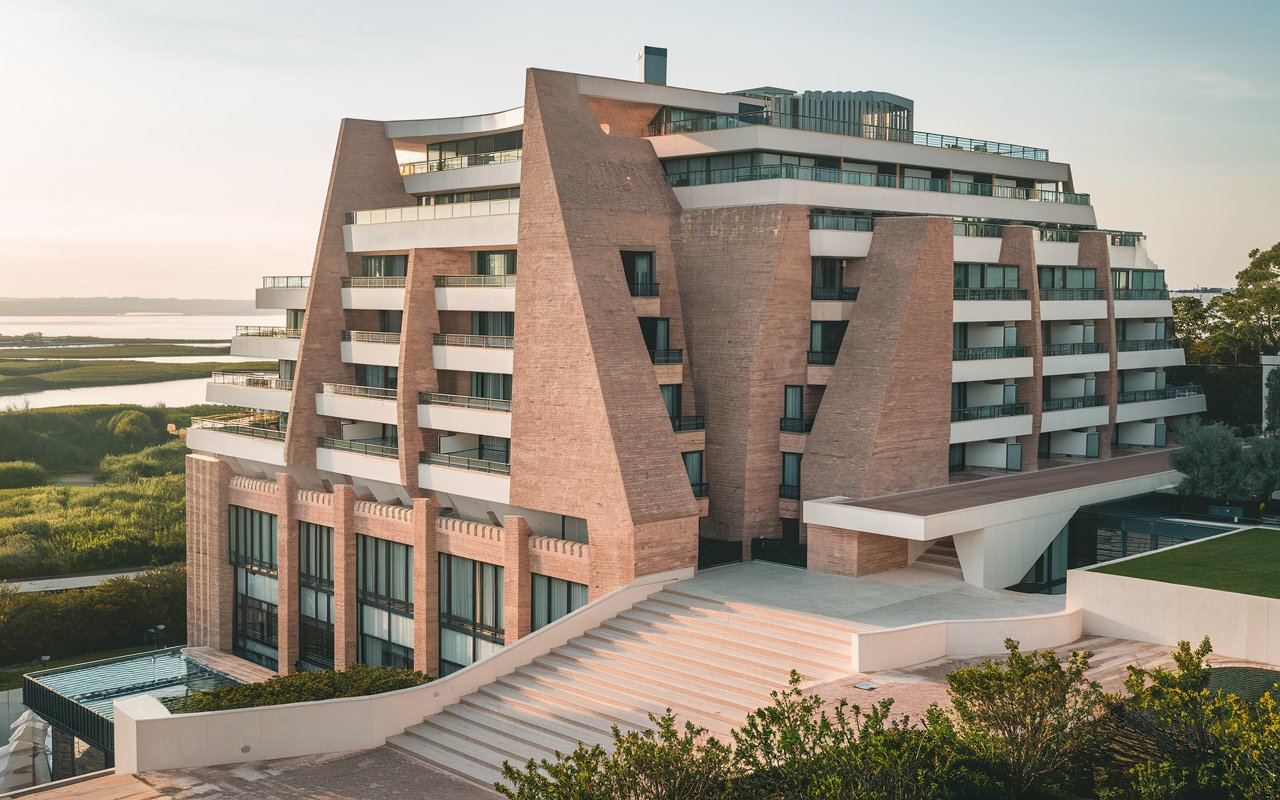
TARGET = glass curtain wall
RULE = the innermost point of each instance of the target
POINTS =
(496, 262)
(492, 385)
(385, 266)
(384, 590)
(254, 546)
(315, 596)
(471, 612)
(493, 323)
(553, 598)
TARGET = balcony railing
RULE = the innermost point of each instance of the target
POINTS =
(463, 401)
(988, 412)
(840, 222)
(374, 282)
(666, 356)
(795, 424)
(696, 423)
(473, 340)
(643, 289)
(1067, 403)
(286, 282)
(464, 459)
(712, 122)
(1125, 239)
(382, 448)
(1075, 348)
(699, 489)
(1059, 235)
(1133, 345)
(990, 294)
(253, 380)
(269, 332)
(258, 426)
(980, 353)
(823, 358)
(461, 162)
(372, 337)
(1072, 294)
(789, 491)
(448, 281)
(801, 172)
(1167, 393)
(1142, 294)
(834, 293)
(978, 229)
(480, 208)
(351, 390)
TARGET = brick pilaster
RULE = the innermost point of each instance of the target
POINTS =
(287, 573)
(210, 581)
(517, 582)
(344, 577)
(426, 582)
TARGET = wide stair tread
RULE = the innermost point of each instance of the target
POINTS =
(546, 730)
(667, 670)
(819, 629)
(519, 743)
(732, 627)
(534, 699)
(752, 670)
(609, 710)
(648, 686)
(674, 634)
(442, 757)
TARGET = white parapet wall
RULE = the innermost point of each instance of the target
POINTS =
(148, 737)
(894, 648)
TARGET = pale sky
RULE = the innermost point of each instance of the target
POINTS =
(181, 148)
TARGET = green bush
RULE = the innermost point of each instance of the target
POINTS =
(303, 687)
(21, 474)
(112, 615)
(69, 438)
(160, 459)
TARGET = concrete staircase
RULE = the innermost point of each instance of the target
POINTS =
(710, 662)
(942, 556)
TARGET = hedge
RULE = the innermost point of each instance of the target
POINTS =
(114, 614)
(21, 474)
(301, 687)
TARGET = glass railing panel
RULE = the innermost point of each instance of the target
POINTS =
(1132, 345)
(699, 489)
(481, 208)
(668, 356)
(1167, 393)
(795, 425)
(643, 289)
(689, 423)
(978, 229)
(823, 357)
(840, 222)
(256, 425)
(461, 162)
(1142, 294)
(789, 491)
(1058, 235)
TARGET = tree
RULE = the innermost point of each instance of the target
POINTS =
(132, 427)
(1272, 411)
(1031, 717)
(1215, 463)
(1191, 327)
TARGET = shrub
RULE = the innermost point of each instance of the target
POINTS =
(21, 474)
(161, 459)
(112, 615)
(303, 687)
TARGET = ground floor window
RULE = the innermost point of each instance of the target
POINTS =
(256, 636)
(386, 637)
(384, 615)
(471, 612)
(553, 598)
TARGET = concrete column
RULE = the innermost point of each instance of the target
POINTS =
(517, 580)
(426, 591)
(344, 577)
(287, 572)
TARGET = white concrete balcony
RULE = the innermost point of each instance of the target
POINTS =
(462, 414)
(1060, 304)
(990, 422)
(1056, 251)
(491, 223)
(246, 437)
(473, 353)
(837, 243)
(371, 347)
(460, 474)
(383, 293)
(263, 390)
(1171, 401)
(979, 249)
(990, 363)
(367, 403)
(283, 291)
(273, 344)
(1142, 303)
(1069, 413)
(476, 292)
(991, 305)
(1149, 353)
(370, 460)
(1076, 357)
(462, 173)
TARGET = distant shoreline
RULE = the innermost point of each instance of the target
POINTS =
(121, 306)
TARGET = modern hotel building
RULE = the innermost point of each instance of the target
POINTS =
(543, 352)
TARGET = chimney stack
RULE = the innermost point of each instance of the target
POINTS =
(652, 63)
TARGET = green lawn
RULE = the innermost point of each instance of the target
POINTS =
(11, 678)
(1243, 562)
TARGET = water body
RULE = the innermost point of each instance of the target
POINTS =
(186, 392)
(139, 326)
(153, 359)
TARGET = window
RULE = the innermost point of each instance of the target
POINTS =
(495, 448)
(554, 598)
(959, 396)
(492, 385)
(825, 337)
(793, 402)
(497, 143)
(1068, 278)
(671, 398)
(638, 267)
(470, 197)
(828, 273)
(693, 466)
(315, 596)
(493, 323)
(254, 548)
(384, 609)
(496, 262)
(377, 376)
(955, 457)
(293, 318)
(657, 333)
(959, 335)
(254, 537)
(385, 266)
(390, 321)
(985, 276)
(471, 611)
(287, 369)
(790, 487)
(573, 529)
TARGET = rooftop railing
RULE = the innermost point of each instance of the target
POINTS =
(473, 340)
(1072, 294)
(253, 380)
(668, 356)
(1142, 294)
(382, 448)
(260, 426)
(1059, 235)
(1133, 345)
(352, 390)
(269, 332)
(979, 229)
(834, 293)
(374, 282)
(449, 281)
(840, 222)
(795, 424)
(480, 208)
(980, 353)
(988, 412)
(1075, 348)
(286, 281)
(694, 423)
(990, 294)
(1068, 403)
(461, 162)
(1167, 393)
(713, 122)
(463, 401)
(372, 337)
(1125, 239)
(466, 459)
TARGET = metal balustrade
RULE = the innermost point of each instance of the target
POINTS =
(1067, 403)
(981, 353)
(353, 390)
(461, 162)
(795, 424)
(372, 337)
(473, 340)
(463, 459)
(370, 447)
(643, 289)
(374, 282)
(463, 401)
(840, 222)
(268, 331)
(1142, 294)
(978, 229)
(1059, 235)
(478, 208)
(823, 357)
(988, 412)
(286, 282)
(1075, 348)
(668, 356)
(253, 380)
(472, 281)
(789, 491)
(1072, 294)
(1167, 393)
(1133, 345)
(990, 294)
(699, 489)
(258, 426)
(693, 423)
(842, 293)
